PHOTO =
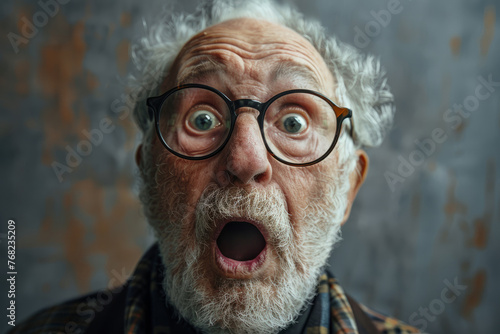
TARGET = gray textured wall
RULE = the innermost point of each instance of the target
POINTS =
(434, 223)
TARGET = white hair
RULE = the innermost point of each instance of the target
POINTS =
(361, 83)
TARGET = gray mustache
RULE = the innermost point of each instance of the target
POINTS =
(268, 208)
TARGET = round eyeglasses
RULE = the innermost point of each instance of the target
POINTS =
(299, 127)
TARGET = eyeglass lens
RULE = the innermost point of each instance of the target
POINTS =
(298, 127)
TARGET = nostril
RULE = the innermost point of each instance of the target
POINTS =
(248, 167)
(263, 177)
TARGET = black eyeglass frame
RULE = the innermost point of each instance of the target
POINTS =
(154, 106)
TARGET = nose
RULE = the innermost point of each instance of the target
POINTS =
(245, 160)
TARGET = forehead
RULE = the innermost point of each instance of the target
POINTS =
(251, 50)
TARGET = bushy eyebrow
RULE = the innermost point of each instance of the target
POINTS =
(295, 73)
(205, 67)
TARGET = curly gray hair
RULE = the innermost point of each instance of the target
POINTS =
(361, 82)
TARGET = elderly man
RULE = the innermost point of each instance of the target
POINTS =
(253, 124)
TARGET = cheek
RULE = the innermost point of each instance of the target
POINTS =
(180, 185)
(297, 183)
(303, 186)
(183, 180)
(195, 177)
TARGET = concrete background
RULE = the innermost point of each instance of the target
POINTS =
(436, 223)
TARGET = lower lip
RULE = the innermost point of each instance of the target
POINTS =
(239, 269)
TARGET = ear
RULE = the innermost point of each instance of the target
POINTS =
(138, 156)
(356, 179)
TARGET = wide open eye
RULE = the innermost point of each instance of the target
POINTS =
(293, 123)
(203, 120)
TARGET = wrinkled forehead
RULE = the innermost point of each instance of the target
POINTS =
(251, 49)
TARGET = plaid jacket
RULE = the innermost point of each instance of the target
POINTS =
(139, 307)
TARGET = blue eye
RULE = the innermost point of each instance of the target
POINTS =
(293, 123)
(203, 120)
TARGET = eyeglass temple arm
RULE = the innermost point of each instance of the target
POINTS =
(347, 113)
(152, 104)
(351, 130)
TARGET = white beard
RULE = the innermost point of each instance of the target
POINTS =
(301, 244)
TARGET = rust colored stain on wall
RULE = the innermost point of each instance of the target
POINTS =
(94, 220)
(452, 206)
(115, 230)
(455, 44)
(122, 56)
(482, 225)
(489, 30)
(475, 294)
(481, 230)
(92, 82)
(16, 68)
(125, 19)
(460, 128)
(62, 82)
(61, 65)
(23, 12)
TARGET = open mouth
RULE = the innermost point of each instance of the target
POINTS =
(240, 241)
(240, 248)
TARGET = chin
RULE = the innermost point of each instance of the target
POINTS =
(218, 302)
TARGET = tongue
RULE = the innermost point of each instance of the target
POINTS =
(240, 241)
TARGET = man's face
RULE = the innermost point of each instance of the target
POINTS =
(243, 237)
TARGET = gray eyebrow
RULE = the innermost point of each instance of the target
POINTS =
(205, 67)
(296, 73)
